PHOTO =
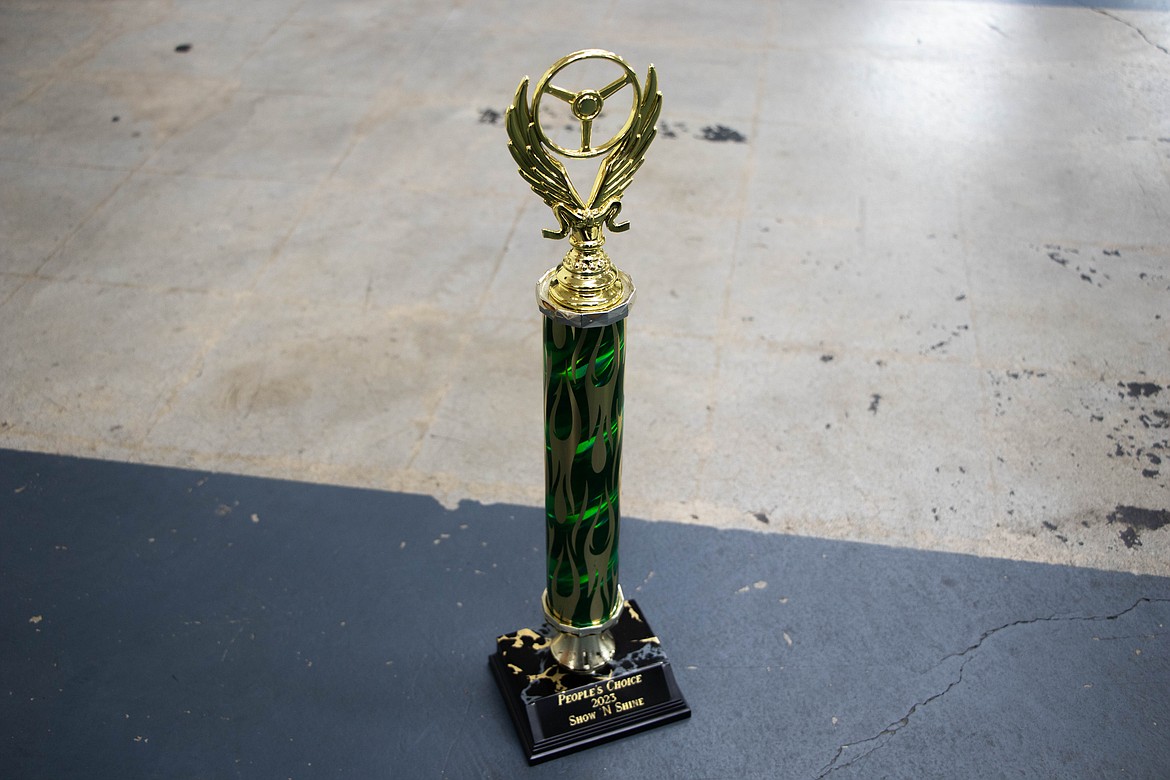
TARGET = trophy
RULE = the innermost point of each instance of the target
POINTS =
(594, 671)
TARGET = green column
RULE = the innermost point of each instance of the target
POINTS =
(583, 375)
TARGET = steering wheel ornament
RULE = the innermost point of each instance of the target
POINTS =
(586, 104)
(585, 289)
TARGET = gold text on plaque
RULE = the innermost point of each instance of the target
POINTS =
(586, 281)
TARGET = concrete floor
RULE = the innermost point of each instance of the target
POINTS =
(903, 267)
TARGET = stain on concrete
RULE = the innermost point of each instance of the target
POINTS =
(1155, 419)
(257, 387)
(1136, 518)
(1124, 416)
(1143, 446)
(952, 334)
(1140, 389)
(1130, 537)
(721, 134)
(1053, 528)
(1069, 257)
(1146, 519)
(1001, 388)
(1155, 278)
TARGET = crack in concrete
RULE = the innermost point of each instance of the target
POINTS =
(1050, 619)
(1131, 26)
(889, 731)
(966, 654)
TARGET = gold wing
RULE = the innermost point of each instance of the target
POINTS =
(545, 174)
(623, 162)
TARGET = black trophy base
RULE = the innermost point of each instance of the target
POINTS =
(557, 711)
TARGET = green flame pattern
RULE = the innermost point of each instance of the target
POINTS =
(583, 373)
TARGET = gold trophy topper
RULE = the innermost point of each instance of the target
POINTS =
(585, 289)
